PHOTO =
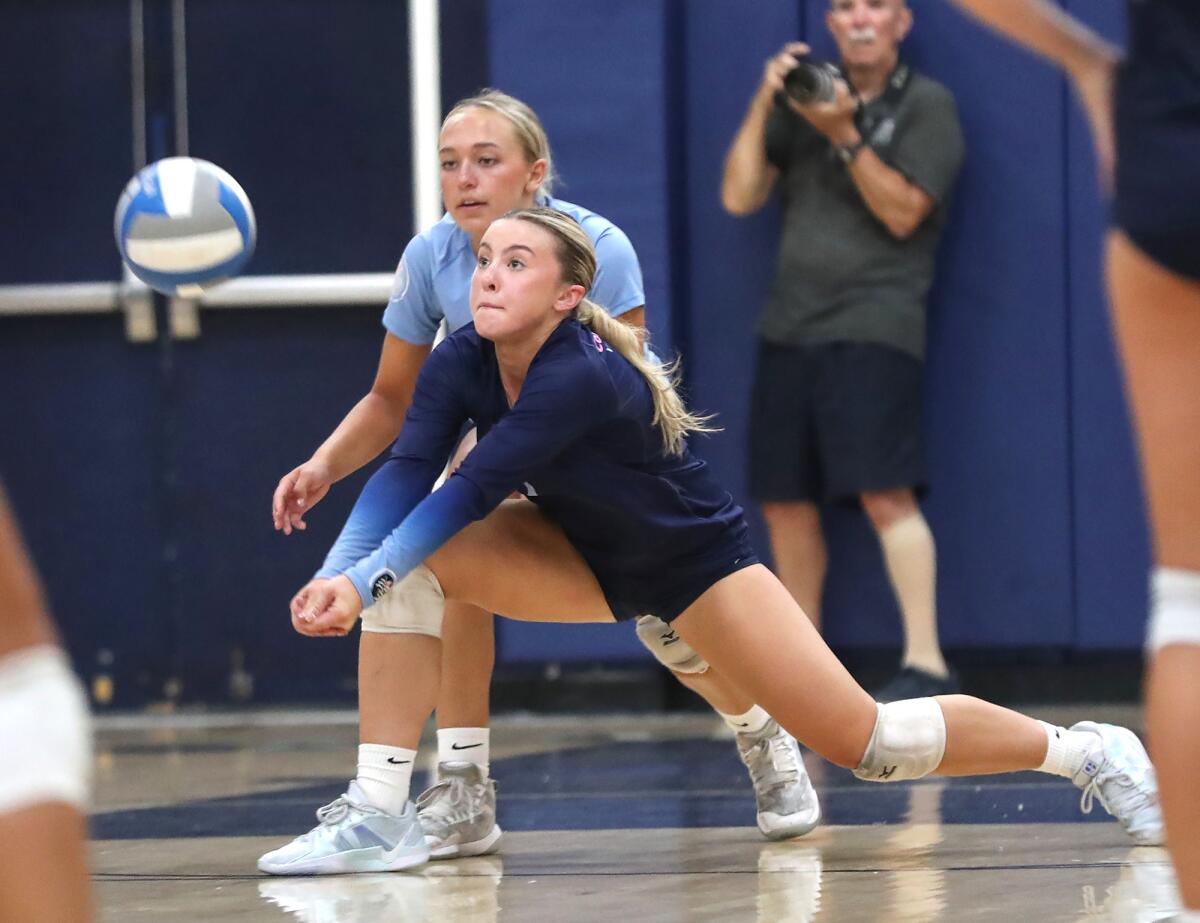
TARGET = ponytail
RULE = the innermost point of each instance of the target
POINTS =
(672, 418)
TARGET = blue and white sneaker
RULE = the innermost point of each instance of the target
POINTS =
(1118, 772)
(784, 796)
(352, 836)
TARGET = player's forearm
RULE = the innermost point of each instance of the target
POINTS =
(898, 204)
(369, 428)
(429, 525)
(1046, 29)
(748, 175)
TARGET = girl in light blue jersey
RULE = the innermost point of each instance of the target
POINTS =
(494, 157)
(567, 402)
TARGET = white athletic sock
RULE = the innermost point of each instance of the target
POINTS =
(1174, 608)
(751, 722)
(384, 775)
(464, 745)
(1067, 751)
(911, 559)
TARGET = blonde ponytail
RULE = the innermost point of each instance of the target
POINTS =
(671, 416)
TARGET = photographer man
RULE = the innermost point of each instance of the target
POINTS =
(864, 170)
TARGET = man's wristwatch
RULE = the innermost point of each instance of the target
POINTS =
(847, 152)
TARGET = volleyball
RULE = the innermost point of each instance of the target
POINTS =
(183, 225)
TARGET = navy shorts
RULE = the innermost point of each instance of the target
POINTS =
(1157, 189)
(675, 584)
(830, 421)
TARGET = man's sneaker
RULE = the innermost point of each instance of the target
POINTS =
(913, 683)
(458, 814)
(783, 794)
(352, 836)
(1118, 772)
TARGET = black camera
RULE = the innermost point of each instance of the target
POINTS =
(811, 82)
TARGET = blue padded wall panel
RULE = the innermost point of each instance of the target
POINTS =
(594, 73)
(1112, 553)
(998, 386)
(244, 419)
(306, 103)
(80, 417)
(596, 76)
(67, 150)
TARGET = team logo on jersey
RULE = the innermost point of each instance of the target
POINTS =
(400, 281)
(382, 582)
(530, 490)
(597, 342)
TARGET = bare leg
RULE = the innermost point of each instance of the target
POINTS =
(468, 656)
(1157, 319)
(517, 563)
(44, 879)
(784, 665)
(798, 546)
(1173, 721)
(43, 862)
(23, 618)
(910, 557)
(717, 691)
(397, 687)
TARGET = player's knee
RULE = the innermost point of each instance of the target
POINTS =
(908, 742)
(45, 731)
(668, 647)
(1175, 614)
(415, 605)
(887, 507)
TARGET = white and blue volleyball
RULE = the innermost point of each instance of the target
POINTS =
(183, 225)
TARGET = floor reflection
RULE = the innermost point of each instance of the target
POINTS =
(462, 891)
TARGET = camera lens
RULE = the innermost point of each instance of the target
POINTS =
(810, 82)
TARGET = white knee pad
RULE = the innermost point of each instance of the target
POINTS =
(668, 647)
(413, 606)
(45, 732)
(908, 742)
(1174, 609)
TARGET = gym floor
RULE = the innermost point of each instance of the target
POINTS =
(640, 818)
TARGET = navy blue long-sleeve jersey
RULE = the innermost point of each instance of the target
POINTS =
(578, 441)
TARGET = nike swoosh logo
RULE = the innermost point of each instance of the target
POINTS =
(395, 762)
(464, 746)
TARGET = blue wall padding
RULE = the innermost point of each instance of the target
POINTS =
(307, 106)
(594, 73)
(997, 385)
(67, 151)
(79, 459)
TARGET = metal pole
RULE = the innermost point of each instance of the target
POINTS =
(425, 77)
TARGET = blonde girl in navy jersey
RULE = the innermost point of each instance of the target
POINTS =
(624, 521)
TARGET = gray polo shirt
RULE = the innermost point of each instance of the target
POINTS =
(841, 276)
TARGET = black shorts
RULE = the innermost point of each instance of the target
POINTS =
(674, 586)
(831, 421)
